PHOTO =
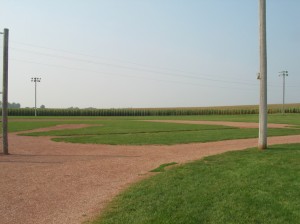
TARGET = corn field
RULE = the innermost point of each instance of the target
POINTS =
(147, 112)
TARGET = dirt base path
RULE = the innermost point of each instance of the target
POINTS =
(50, 182)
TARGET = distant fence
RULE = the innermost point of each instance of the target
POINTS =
(142, 112)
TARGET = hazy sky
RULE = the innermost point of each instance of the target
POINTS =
(148, 53)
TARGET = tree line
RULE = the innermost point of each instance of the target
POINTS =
(12, 105)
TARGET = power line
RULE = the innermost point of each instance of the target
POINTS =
(125, 75)
(100, 72)
(110, 59)
(139, 69)
(168, 71)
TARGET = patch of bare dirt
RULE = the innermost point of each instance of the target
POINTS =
(59, 127)
(54, 182)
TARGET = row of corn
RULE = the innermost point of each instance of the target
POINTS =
(142, 112)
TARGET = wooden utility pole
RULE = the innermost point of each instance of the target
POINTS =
(262, 142)
(5, 92)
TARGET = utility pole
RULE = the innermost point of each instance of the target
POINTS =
(35, 80)
(5, 92)
(262, 142)
(283, 74)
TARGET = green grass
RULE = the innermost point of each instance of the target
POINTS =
(162, 167)
(272, 118)
(129, 127)
(174, 137)
(249, 186)
(125, 131)
(15, 126)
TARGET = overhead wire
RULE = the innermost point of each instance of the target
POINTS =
(114, 59)
(168, 72)
(126, 75)
(130, 68)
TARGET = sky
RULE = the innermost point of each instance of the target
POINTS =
(148, 53)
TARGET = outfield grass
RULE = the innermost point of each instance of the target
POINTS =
(125, 131)
(272, 118)
(174, 137)
(249, 186)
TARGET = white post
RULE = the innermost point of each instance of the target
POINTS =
(5, 93)
(262, 142)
